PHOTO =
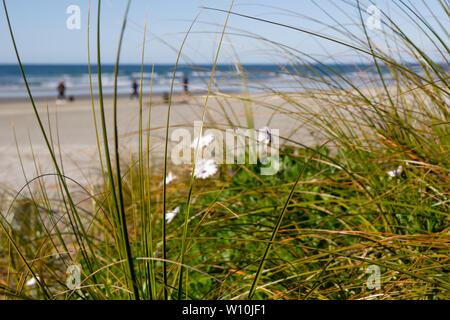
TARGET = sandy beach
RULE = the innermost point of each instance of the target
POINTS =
(73, 132)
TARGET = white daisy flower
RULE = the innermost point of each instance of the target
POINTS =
(172, 214)
(205, 168)
(264, 135)
(170, 177)
(396, 172)
(31, 282)
(204, 141)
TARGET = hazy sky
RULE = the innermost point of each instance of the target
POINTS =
(42, 36)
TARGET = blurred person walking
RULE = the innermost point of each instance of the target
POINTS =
(135, 87)
(185, 83)
(61, 90)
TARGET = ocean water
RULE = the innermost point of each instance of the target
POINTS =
(43, 79)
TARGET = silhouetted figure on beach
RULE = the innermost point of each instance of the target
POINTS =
(61, 90)
(135, 90)
(185, 83)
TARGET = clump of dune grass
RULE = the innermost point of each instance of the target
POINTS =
(375, 193)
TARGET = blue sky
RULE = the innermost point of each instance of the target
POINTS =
(42, 36)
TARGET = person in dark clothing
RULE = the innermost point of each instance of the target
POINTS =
(61, 90)
(185, 83)
(135, 89)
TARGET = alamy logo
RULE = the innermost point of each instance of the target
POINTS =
(234, 146)
(74, 277)
(374, 280)
(73, 22)
(374, 20)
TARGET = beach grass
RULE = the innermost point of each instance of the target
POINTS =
(371, 195)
